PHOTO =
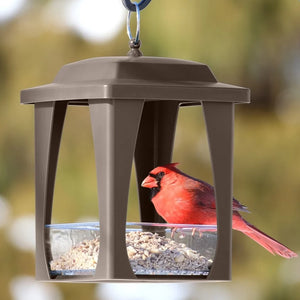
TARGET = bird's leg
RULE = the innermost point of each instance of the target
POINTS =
(193, 231)
(199, 231)
(174, 229)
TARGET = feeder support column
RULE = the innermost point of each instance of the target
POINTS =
(115, 125)
(219, 118)
(154, 148)
(49, 120)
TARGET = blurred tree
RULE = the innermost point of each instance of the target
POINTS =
(246, 41)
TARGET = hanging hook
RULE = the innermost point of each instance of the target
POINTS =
(132, 7)
(135, 42)
(138, 22)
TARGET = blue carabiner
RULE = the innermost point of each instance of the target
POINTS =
(131, 6)
(138, 22)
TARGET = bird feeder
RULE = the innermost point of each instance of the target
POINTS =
(133, 103)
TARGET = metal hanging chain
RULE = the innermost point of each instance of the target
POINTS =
(132, 7)
(135, 40)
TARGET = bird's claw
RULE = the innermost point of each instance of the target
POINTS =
(194, 231)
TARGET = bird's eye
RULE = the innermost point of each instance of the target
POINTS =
(160, 175)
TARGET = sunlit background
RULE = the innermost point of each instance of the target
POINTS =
(248, 43)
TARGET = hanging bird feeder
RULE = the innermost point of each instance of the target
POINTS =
(133, 103)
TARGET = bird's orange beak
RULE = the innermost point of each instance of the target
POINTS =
(149, 182)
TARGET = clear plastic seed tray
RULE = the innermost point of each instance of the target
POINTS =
(152, 248)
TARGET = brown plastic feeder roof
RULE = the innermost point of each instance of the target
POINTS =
(147, 78)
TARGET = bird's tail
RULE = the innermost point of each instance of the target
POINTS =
(267, 242)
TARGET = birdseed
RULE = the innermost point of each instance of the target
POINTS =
(148, 253)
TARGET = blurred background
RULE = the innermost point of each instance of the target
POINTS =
(254, 43)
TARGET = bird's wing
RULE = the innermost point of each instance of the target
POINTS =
(204, 195)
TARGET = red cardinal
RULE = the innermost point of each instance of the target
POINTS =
(182, 199)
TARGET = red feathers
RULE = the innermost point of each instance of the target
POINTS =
(182, 199)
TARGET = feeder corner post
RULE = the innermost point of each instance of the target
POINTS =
(49, 120)
(115, 125)
(219, 119)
